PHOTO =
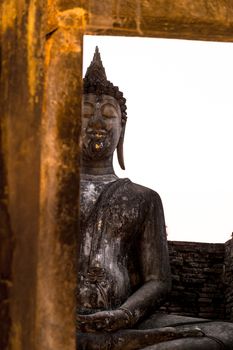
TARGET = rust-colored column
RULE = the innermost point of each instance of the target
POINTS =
(59, 193)
(39, 159)
(6, 252)
(21, 100)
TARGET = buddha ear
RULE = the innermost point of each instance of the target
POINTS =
(120, 149)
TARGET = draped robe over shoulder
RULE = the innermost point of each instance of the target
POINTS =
(123, 245)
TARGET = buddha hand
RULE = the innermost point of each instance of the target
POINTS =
(107, 321)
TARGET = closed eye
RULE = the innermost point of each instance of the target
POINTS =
(88, 110)
(109, 116)
(109, 111)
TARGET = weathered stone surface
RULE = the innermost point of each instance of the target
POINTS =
(197, 276)
(57, 241)
(200, 19)
(202, 277)
(229, 279)
(6, 253)
(41, 104)
(21, 103)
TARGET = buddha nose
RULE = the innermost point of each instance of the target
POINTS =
(97, 121)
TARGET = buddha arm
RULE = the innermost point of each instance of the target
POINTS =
(154, 261)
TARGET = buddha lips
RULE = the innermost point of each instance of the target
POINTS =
(96, 146)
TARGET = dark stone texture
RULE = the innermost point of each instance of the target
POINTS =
(202, 280)
(228, 279)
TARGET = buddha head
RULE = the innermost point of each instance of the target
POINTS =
(104, 115)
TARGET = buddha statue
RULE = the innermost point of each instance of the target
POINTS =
(124, 273)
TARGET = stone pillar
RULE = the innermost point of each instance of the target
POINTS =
(59, 200)
(21, 101)
(41, 49)
(6, 253)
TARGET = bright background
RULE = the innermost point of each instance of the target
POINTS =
(179, 135)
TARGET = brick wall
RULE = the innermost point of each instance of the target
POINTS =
(198, 287)
(228, 279)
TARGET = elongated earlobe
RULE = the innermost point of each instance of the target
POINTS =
(120, 149)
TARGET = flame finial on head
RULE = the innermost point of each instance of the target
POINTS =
(95, 81)
(96, 72)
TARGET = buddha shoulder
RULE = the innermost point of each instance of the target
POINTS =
(134, 192)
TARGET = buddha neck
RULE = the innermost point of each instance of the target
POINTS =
(97, 171)
(97, 167)
(100, 179)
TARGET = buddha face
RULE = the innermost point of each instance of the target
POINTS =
(101, 126)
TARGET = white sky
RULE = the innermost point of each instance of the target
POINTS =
(179, 135)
